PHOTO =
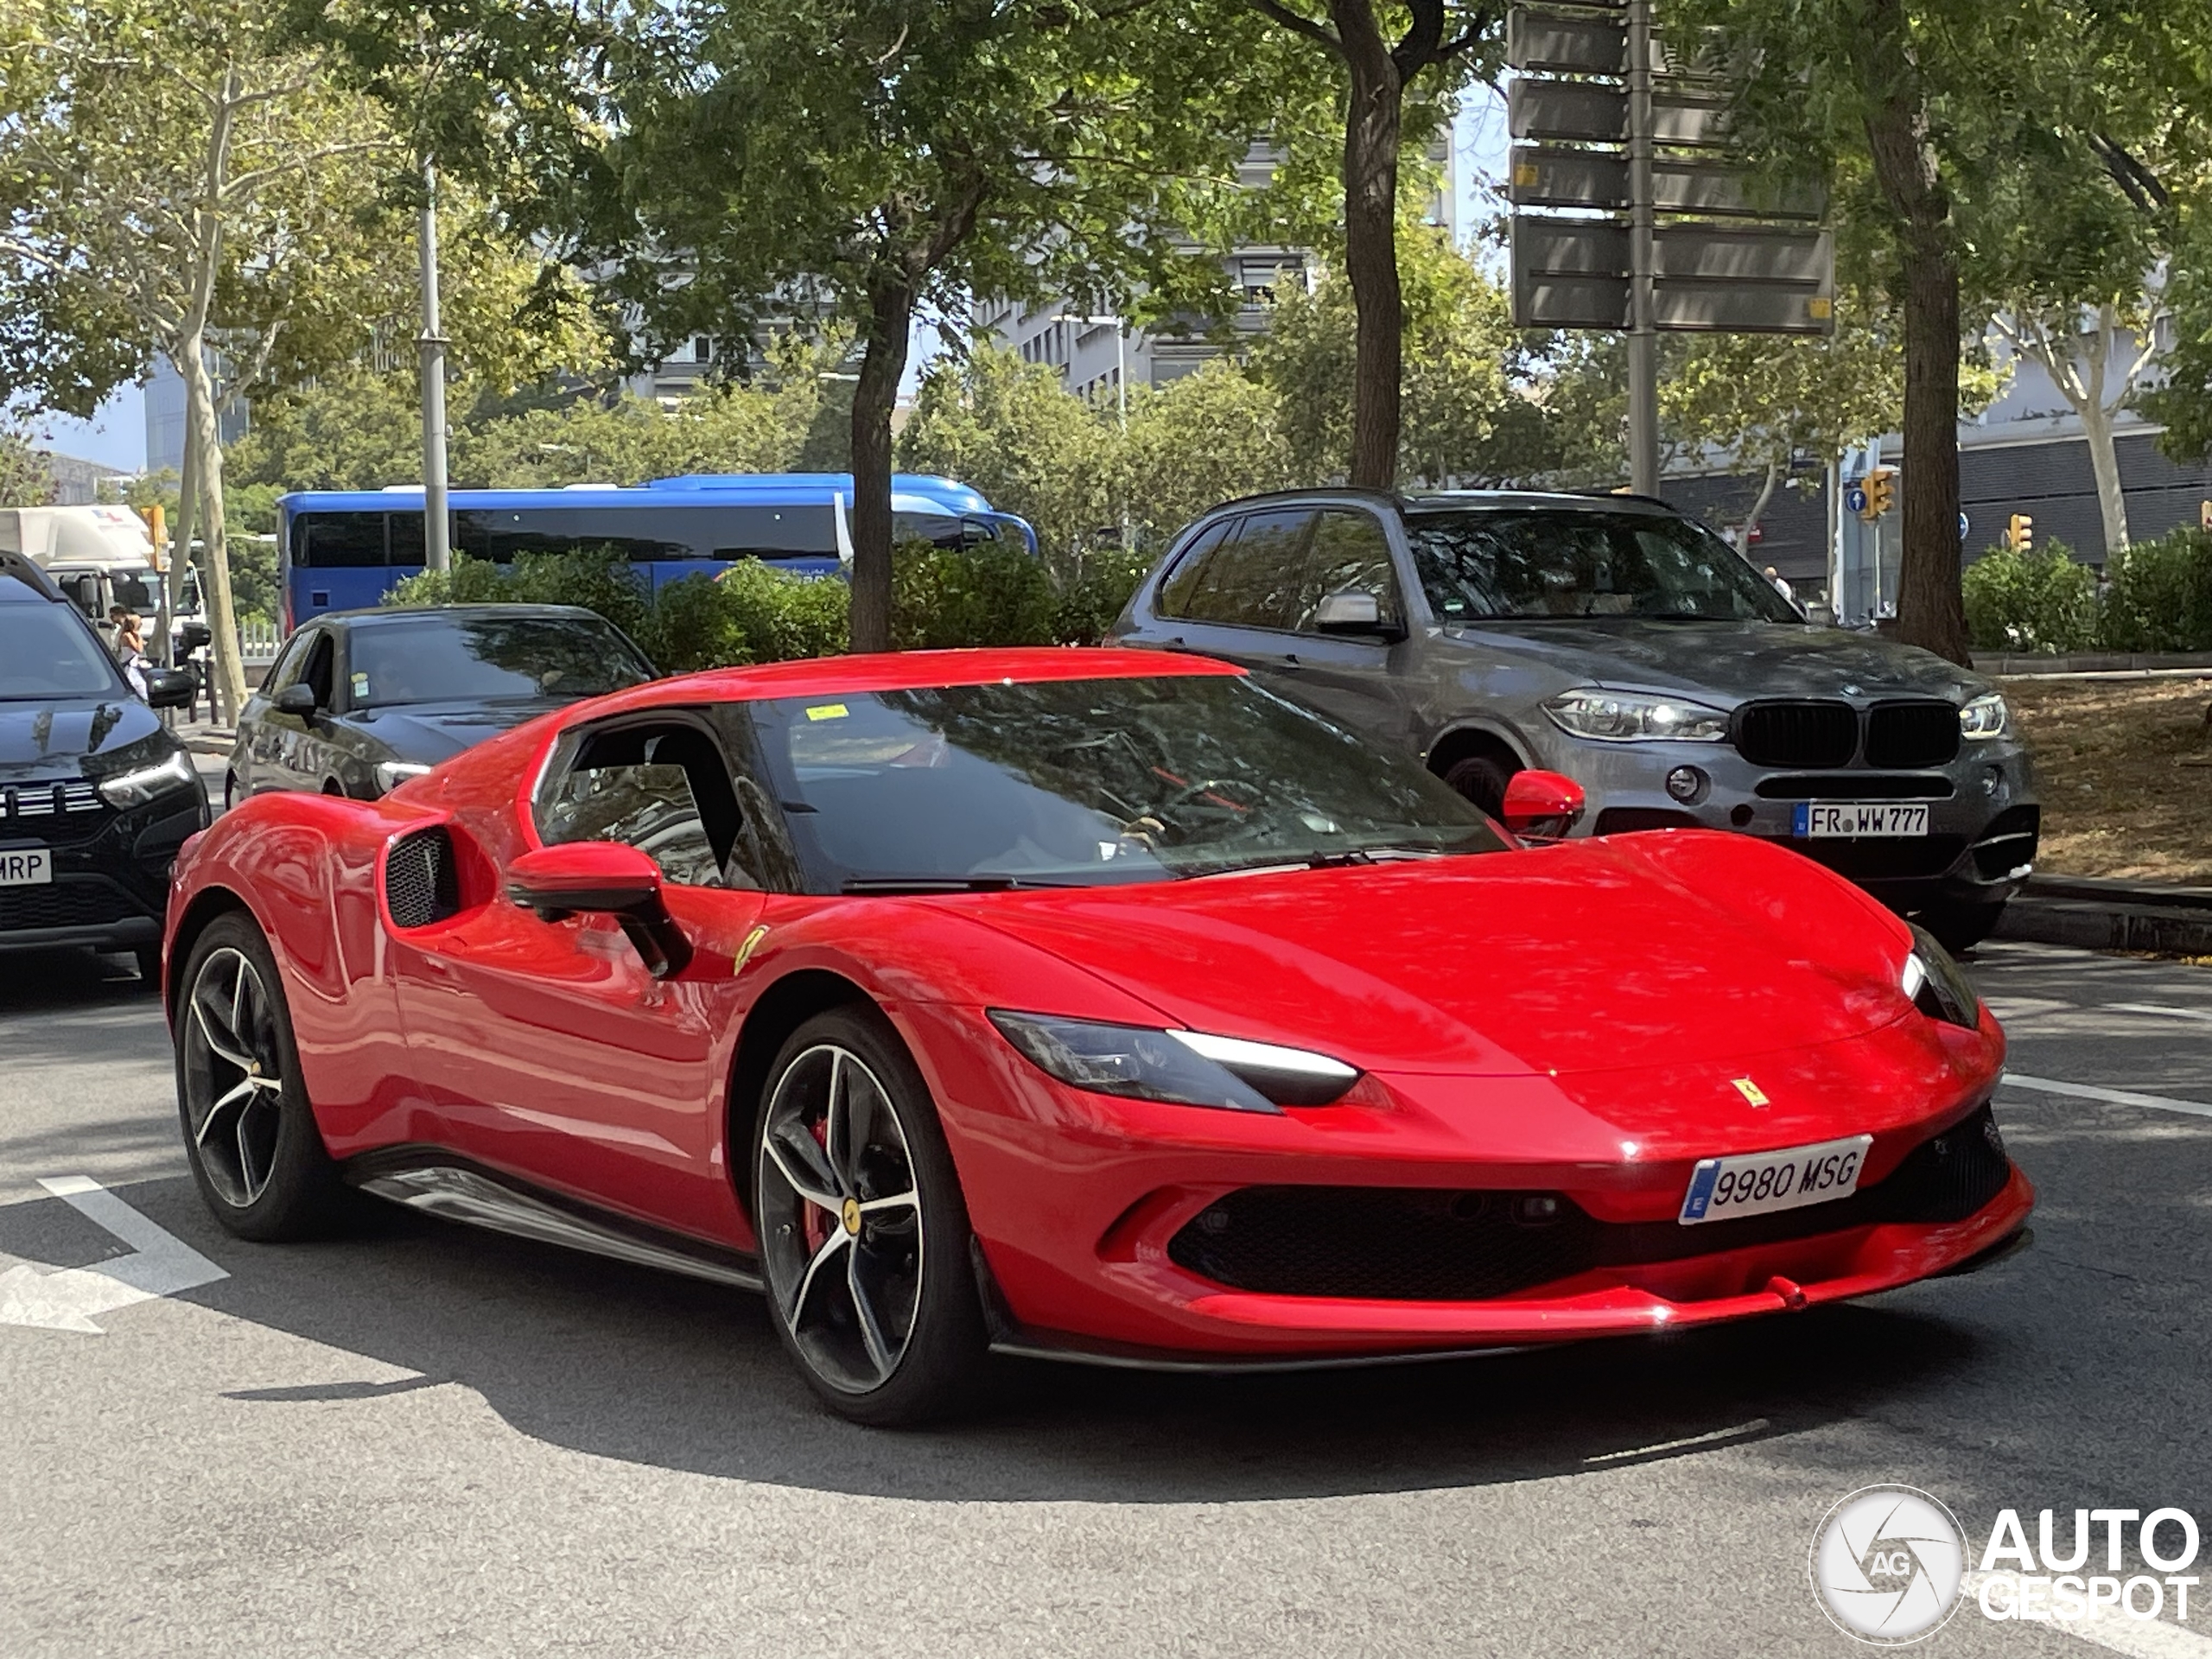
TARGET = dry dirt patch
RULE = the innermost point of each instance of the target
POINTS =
(2125, 772)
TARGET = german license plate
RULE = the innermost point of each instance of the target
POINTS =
(29, 868)
(1757, 1183)
(1892, 819)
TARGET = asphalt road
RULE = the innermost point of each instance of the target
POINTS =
(425, 1441)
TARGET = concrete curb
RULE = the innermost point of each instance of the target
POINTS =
(2097, 914)
(2003, 664)
(209, 741)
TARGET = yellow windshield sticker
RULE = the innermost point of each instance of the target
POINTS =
(827, 711)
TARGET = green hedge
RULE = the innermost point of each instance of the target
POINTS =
(2042, 601)
(756, 613)
(2155, 596)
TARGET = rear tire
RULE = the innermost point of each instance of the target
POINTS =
(250, 1134)
(864, 1234)
(1961, 926)
(1482, 779)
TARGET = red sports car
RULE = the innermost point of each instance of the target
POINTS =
(1092, 1004)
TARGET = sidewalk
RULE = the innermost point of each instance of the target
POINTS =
(205, 737)
(2098, 914)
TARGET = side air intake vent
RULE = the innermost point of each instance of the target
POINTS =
(420, 885)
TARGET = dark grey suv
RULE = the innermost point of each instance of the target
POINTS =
(1613, 639)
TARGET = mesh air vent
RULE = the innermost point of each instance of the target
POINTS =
(420, 884)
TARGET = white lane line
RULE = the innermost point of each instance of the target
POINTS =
(1756, 1425)
(66, 1300)
(2165, 1008)
(2108, 1627)
(2111, 1096)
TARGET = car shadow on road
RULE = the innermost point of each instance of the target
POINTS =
(627, 1364)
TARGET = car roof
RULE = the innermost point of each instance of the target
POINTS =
(22, 581)
(405, 613)
(1423, 501)
(911, 670)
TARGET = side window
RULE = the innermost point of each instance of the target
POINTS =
(663, 788)
(329, 539)
(320, 671)
(1351, 554)
(286, 668)
(1255, 582)
(1175, 591)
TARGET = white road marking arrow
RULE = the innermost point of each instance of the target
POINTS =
(66, 1299)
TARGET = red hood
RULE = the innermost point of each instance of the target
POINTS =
(1668, 949)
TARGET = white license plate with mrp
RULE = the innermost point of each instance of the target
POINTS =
(29, 867)
(1887, 819)
(1757, 1183)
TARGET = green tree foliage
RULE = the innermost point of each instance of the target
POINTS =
(1459, 355)
(1200, 440)
(25, 480)
(2160, 596)
(2041, 602)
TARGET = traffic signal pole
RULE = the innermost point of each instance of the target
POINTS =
(437, 554)
(1642, 334)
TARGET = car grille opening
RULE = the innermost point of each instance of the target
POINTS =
(2009, 843)
(1919, 733)
(67, 901)
(1626, 820)
(1879, 860)
(1855, 786)
(1429, 1244)
(1813, 733)
(421, 885)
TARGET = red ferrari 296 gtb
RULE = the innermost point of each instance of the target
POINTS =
(1085, 1003)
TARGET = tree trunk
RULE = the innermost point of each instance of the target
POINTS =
(2104, 463)
(216, 567)
(187, 509)
(883, 364)
(1372, 130)
(1767, 487)
(1930, 611)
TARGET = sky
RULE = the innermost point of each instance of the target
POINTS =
(116, 435)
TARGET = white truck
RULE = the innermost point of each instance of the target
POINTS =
(101, 556)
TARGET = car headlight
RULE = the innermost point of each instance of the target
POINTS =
(1635, 717)
(1985, 717)
(390, 774)
(143, 784)
(1936, 985)
(1184, 1068)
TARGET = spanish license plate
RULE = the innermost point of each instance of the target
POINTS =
(1757, 1183)
(1892, 819)
(30, 868)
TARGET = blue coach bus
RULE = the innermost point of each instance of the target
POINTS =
(343, 550)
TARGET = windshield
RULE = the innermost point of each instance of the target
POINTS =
(1081, 782)
(487, 659)
(45, 652)
(1520, 565)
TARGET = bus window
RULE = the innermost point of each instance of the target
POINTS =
(325, 540)
(406, 537)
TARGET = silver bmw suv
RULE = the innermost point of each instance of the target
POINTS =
(1611, 639)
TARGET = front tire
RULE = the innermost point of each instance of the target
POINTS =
(863, 1229)
(250, 1134)
(1482, 779)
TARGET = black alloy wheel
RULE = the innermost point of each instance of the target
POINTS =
(863, 1231)
(250, 1134)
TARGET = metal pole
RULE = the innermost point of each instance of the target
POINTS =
(1121, 413)
(1642, 338)
(437, 550)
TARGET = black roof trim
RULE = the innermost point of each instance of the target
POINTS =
(24, 569)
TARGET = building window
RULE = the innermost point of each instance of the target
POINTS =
(703, 349)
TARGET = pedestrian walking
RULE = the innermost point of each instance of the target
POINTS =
(131, 649)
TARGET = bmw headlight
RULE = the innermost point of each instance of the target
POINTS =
(1635, 717)
(1985, 717)
(390, 774)
(143, 784)
(1936, 985)
(1185, 1068)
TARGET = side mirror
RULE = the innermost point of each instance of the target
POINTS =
(1353, 610)
(170, 688)
(297, 698)
(1541, 805)
(603, 878)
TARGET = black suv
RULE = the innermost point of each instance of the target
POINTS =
(95, 794)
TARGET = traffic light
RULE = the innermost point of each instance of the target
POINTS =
(2020, 533)
(1881, 487)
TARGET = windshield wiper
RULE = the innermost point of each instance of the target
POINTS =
(1348, 858)
(883, 884)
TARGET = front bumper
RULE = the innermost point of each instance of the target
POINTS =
(1078, 1202)
(1984, 817)
(111, 876)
